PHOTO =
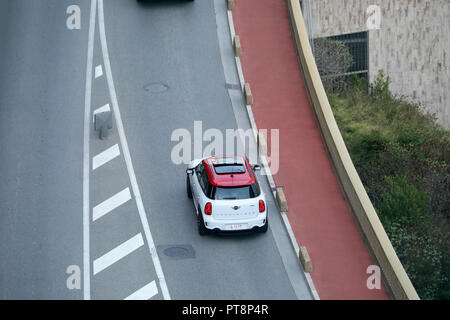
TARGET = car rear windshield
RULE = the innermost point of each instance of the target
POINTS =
(234, 193)
(229, 169)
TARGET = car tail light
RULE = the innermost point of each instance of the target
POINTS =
(262, 206)
(208, 208)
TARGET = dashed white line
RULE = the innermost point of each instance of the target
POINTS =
(86, 158)
(127, 156)
(110, 204)
(101, 109)
(118, 253)
(144, 293)
(105, 156)
(98, 71)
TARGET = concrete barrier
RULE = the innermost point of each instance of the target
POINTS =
(237, 46)
(262, 144)
(305, 260)
(395, 278)
(248, 94)
(281, 199)
(230, 5)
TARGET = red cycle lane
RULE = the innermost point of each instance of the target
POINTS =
(318, 213)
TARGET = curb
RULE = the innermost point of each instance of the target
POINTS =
(305, 260)
(237, 46)
(281, 199)
(248, 94)
(230, 4)
(262, 144)
(263, 158)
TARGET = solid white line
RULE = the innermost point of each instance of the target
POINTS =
(118, 253)
(86, 158)
(105, 156)
(98, 71)
(110, 204)
(101, 109)
(240, 73)
(126, 154)
(144, 293)
(231, 25)
(238, 60)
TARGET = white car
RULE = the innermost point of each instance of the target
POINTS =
(226, 194)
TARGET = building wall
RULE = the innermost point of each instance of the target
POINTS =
(411, 46)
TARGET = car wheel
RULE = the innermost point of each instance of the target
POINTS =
(188, 188)
(264, 228)
(201, 225)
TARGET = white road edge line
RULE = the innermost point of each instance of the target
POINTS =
(86, 158)
(110, 204)
(126, 153)
(101, 109)
(144, 293)
(265, 164)
(118, 253)
(105, 156)
(98, 71)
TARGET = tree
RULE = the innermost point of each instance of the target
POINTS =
(333, 58)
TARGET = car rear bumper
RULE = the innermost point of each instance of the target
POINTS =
(235, 225)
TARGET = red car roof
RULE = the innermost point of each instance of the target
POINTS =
(229, 179)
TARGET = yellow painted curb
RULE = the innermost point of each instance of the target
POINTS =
(281, 200)
(237, 46)
(262, 144)
(305, 260)
(396, 279)
(230, 5)
(248, 94)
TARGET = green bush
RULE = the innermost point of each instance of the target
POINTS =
(380, 87)
(401, 201)
(423, 259)
(403, 159)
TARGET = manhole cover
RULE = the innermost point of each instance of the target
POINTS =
(156, 87)
(178, 251)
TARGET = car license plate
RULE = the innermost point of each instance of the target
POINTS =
(236, 226)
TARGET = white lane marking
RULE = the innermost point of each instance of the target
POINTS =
(101, 109)
(86, 158)
(98, 71)
(238, 60)
(127, 156)
(119, 252)
(110, 204)
(144, 293)
(105, 156)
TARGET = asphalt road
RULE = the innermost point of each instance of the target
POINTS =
(41, 146)
(171, 64)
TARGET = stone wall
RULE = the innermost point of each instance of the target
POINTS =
(411, 46)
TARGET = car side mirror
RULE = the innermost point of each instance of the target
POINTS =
(256, 167)
(189, 171)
